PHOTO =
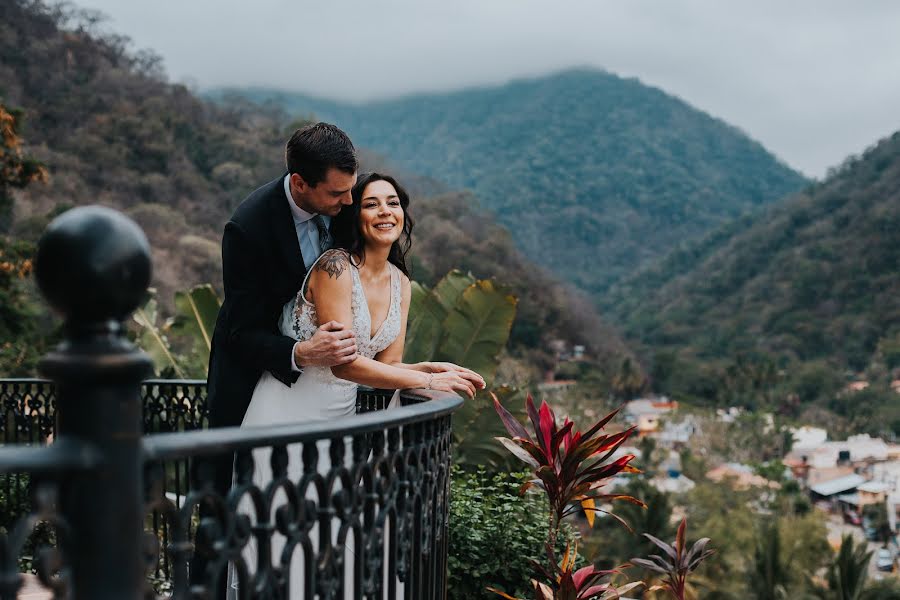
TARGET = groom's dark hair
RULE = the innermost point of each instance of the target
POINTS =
(314, 149)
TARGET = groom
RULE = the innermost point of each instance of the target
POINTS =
(271, 240)
(273, 237)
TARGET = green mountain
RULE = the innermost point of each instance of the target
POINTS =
(111, 130)
(594, 175)
(814, 277)
(782, 310)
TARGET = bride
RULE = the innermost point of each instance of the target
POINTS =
(363, 281)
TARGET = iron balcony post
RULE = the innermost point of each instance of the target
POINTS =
(93, 266)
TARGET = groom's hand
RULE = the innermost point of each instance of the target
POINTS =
(331, 345)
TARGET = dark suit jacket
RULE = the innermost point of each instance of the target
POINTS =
(262, 269)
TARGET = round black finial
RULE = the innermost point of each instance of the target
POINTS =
(93, 265)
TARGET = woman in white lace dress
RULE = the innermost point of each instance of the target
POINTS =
(364, 281)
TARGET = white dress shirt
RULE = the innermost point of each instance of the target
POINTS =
(307, 236)
(307, 232)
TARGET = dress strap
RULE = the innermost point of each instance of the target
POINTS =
(396, 293)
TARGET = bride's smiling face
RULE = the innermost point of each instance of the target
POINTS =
(380, 214)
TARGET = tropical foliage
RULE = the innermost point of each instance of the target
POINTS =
(678, 562)
(180, 345)
(572, 468)
(462, 320)
(847, 574)
(465, 321)
(495, 534)
(569, 583)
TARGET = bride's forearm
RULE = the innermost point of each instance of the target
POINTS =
(366, 371)
(422, 367)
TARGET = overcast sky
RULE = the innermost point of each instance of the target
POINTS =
(813, 80)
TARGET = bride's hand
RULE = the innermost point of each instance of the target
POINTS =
(443, 367)
(454, 381)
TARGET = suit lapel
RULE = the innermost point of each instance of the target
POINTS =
(286, 233)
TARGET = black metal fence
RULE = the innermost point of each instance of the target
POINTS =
(28, 417)
(117, 470)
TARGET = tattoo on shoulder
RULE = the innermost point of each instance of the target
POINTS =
(334, 263)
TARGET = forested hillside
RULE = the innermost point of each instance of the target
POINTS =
(594, 175)
(811, 285)
(110, 129)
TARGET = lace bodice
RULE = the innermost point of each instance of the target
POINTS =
(300, 321)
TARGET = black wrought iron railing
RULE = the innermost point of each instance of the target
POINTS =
(120, 473)
(28, 417)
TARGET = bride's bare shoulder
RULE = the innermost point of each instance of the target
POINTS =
(333, 263)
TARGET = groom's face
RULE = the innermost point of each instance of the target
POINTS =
(326, 198)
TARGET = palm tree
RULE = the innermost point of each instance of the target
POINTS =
(848, 573)
(769, 574)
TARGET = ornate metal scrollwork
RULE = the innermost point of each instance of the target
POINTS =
(48, 561)
(364, 513)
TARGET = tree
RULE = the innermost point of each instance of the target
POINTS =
(876, 517)
(629, 381)
(22, 338)
(16, 170)
(768, 575)
(848, 572)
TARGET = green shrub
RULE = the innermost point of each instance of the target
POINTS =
(14, 499)
(494, 534)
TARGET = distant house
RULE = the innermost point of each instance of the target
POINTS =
(645, 413)
(743, 476)
(808, 437)
(557, 384)
(729, 415)
(673, 485)
(677, 435)
(888, 474)
(856, 386)
(873, 492)
(841, 488)
(857, 450)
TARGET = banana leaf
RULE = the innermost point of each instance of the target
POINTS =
(450, 288)
(477, 329)
(152, 339)
(196, 313)
(423, 329)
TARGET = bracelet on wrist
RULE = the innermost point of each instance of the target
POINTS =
(430, 380)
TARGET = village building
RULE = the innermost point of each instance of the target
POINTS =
(646, 413)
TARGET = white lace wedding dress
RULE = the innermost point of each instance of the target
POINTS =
(317, 395)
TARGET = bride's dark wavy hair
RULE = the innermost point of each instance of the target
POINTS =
(346, 230)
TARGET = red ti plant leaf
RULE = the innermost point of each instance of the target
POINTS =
(512, 424)
(548, 428)
(571, 465)
(565, 583)
(519, 452)
(678, 562)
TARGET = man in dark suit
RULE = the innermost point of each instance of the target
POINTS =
(269, 243)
